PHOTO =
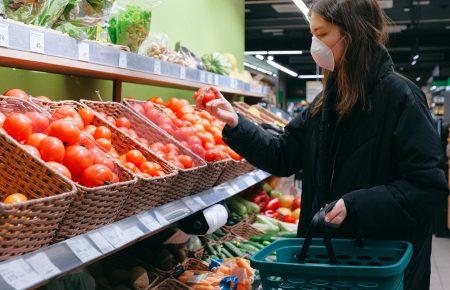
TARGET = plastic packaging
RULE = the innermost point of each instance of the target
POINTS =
(208, 280)
(50, 12)
(235, 267)
(23, 11)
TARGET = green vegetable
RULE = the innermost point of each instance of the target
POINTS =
(267, 188)
(217, 248)
(251, 249)
(77, 30)
(256, 245)
(227, 253)
(232, 249)
(266, 243)
(276, 193)
(51, 11)
(23, 11)
(217, 63)
(237, 206)
(209, 249)
(251, 206)
(265, 228)
(287, 227)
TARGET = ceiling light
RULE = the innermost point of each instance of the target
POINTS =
(406, 9)
(247, 11)
(396, 28)
(270, 57)
(285, 52)
(260, 57)
(303, 8)
(282, 68)
(310, 77)
(258, 68)
(422, 2)
(418, 79)
(416, 57)
(433, 88)
(275, 30)
(414, 62)
(447, 27)
(285, 8)
(255, 52)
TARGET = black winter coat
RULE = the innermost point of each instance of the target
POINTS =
(385, 163)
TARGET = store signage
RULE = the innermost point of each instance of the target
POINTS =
(43, 266)
(102, 244)
(123, 59)
(18, 274)
(83, 51)
(82, 249)
(114, 235)
(4, 34)
(37, 41)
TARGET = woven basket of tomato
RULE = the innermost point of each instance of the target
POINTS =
(192, 129)
(33, 198)
(155, 177)
(190, 167)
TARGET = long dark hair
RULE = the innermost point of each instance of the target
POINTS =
(364, 25)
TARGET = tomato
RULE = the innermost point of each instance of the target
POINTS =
(63, 112)
(209, 145)
(157, 100)
(39, 121)
(180, 105)
(87, 116)
(15, 198)
(199, 127)
(178, 123)
(185, 110)
(52, 149)
(17, 93)
(18, 126)
(136, 157)
(87, 140)
(35, 139)
(171, 103)
(61, 169)
(186, 161)
(2, 119)
(163, 120)
(115, 178)
(158, 147)
(138, 108)
(176, 163)
(218, 139)
(153, 114)
(232, 153)
(150, 167)
(123, 122)
(213, 155)
(197, 93)
(104, 143)
(111, 120)
(97, 175)
(171, 148)
(90, 129)
(43, 98)
(206, 137)
(198, 149)
(32, 150)
(77, 159)
(189, 118)
(102, 132)
(159, 173)
(207, 96)
(99, 157)
(149, 106)
(143, 141)
(206, 115)
(65, 130)
(77, 122)
(132, 133)
(145, 175)
(206, 124)
(130, 166)
(194, 140)
(167, 128)
(123, 158)
(185, 144)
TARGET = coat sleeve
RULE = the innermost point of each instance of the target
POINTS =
(280, 155)
(420, 187)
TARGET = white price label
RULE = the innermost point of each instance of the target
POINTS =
(183, 73)
(18, 274)
(149, 221)
(37, 41)
(101, 242)
(216, 80)
(157, 67)
(83, 51)
(133, 233)
(83, 249)
(160, 218)
(43, 266)
(194, 203)
(210, 79)
(115, 236)
(123, 59)
(4, 34)
(202, 76)
(233, 83)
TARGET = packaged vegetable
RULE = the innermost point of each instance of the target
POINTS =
(239, 268)
(50, 12)
(205, 280)
(217, 63)
(23, 11)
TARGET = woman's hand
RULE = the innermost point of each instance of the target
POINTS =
(219, 108)
(337, 215)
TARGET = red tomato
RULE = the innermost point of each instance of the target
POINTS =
(205, 123)
(115, 178)
(176, 163)
(178, 123)
(208, 96)
(186, 161)
(149, 106)
(198, 149)
(32, 150)
(138, 108)
(136, 157)
(189, 118)
(158, 147)
(209, 145)
(171, 103)
(87, 116)
(180, 105)
(35, 139)
(150, 167)
(77, 121)
(185, 110)
(61, 169)
(218, 139)
(52, 149)
(77, 159)
(168, 128)
(123, 122)
(185, 144)
(87, 140)
(90, 129)
(206, 115)
(232, 153)
(157, 100)
(123, 129)
(206, 137)
(194, 140)
(169, 147)
(2, 119)
(17, 93)
(18, 126)
(159, 173)
(123, 158)
(132, 133)
(97, 175)
(65, 130)
(39, 120)
(99, 157)
(65, 111)
(199, 127)
(153, 114)
(43, 98)
(104, 143)
(111, 120)
(130, 166)
(213, 155)
(102, 132)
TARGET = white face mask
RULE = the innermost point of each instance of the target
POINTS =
(322, 54)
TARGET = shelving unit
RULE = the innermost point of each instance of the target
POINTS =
(37, 268)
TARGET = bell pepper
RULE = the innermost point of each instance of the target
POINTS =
(289, 219)
(260, 200)
(271, 214)
(273, 204)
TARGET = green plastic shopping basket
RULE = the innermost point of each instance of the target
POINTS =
(332, 264)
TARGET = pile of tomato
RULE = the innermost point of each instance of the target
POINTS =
(196, 130)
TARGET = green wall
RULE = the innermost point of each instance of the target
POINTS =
(201, 25)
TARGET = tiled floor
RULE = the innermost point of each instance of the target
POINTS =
(440, 264)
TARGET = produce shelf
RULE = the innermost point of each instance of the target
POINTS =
(28, 47)
(37, 268)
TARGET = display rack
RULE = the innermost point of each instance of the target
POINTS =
(29, 47)
(37, 268)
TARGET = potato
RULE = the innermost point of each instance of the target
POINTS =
(139, 278)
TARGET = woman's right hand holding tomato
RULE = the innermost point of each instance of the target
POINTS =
(211, 100)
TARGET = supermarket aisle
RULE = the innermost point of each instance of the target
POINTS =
(440, 264)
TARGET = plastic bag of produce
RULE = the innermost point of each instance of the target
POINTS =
(191, 60)
(208, 280)
(50, 12)
(155, 45)
(235, 267)
(23, 11)
(130, 20)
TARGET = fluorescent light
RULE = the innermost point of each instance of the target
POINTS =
(414, 62)
(255, 52)
(258, 68)
(433, 88)
(282, 52)
(416, 57)
(422, 2)
(310, 77)
(418, 79)
(270, 57)
(303, 8)
(406, 9)
(260, 57)
(275, 30)
(282, 68)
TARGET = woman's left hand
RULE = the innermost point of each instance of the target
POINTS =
(337, 215)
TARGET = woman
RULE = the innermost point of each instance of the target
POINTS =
(367, 141)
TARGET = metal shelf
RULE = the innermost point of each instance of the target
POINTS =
(29, 47)
(37, 268)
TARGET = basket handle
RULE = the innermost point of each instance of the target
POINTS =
(318, 222)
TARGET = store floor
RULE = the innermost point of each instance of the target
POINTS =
(440, 264)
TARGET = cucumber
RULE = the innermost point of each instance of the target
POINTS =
(266, 243)
(227, 253)
(255, 239)
(217, 248)
(209, 249)
(250, 248)
(232, 249)
(220, 233)
(256, 245)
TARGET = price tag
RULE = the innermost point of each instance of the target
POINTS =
(133, 233)
(101, 242)
(202, 76)
(157, 67)
(82, 249)
(233, 83)
(149, 221)
(210, 79)
(194, 203)
(83, 51)
(115, 236)
(18, 274)
(183, 73)
(216, 80)
(37, 41)
(43, 266)
(4, 34)
(122, 59)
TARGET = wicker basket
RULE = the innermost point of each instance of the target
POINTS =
(245, 230)
(209, 175)
(187, 178)
(30, 225)
(235, 169)
(194, 264)
(171, 284)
